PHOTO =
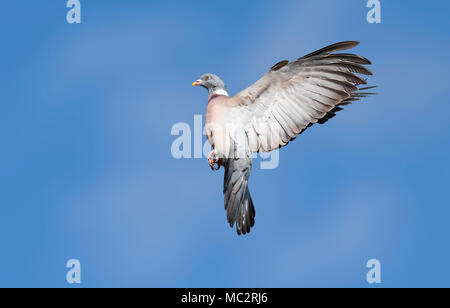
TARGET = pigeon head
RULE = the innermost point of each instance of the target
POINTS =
(212, 83)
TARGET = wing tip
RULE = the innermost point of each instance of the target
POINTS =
(344, 45)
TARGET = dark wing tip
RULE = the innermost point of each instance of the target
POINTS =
(332, 48)
(367, 88)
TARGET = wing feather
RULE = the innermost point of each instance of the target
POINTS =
(293, 96)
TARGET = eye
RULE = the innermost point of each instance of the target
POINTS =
(207, 78)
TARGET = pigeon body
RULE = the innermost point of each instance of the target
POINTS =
(217, 111)
(288, 99)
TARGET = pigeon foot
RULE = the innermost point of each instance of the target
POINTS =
(213, 160)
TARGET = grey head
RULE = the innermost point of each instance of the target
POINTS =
(212, 83)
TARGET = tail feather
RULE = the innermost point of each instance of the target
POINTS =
(238, 202)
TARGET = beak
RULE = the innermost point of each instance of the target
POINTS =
(196, 83)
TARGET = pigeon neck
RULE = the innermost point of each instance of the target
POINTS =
(217, 91)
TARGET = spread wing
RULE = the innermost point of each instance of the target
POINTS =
(292, 96)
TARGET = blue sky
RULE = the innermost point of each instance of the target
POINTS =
(87, 173)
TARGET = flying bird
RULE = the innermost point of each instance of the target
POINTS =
(272, 112)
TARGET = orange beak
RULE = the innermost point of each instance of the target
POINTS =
(196, 83)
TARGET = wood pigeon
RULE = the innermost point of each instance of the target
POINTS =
(288, 99)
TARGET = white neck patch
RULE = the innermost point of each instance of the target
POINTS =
(220, 92)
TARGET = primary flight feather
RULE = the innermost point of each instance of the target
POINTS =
(266, 116)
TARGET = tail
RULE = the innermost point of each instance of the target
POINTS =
(238, 202)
